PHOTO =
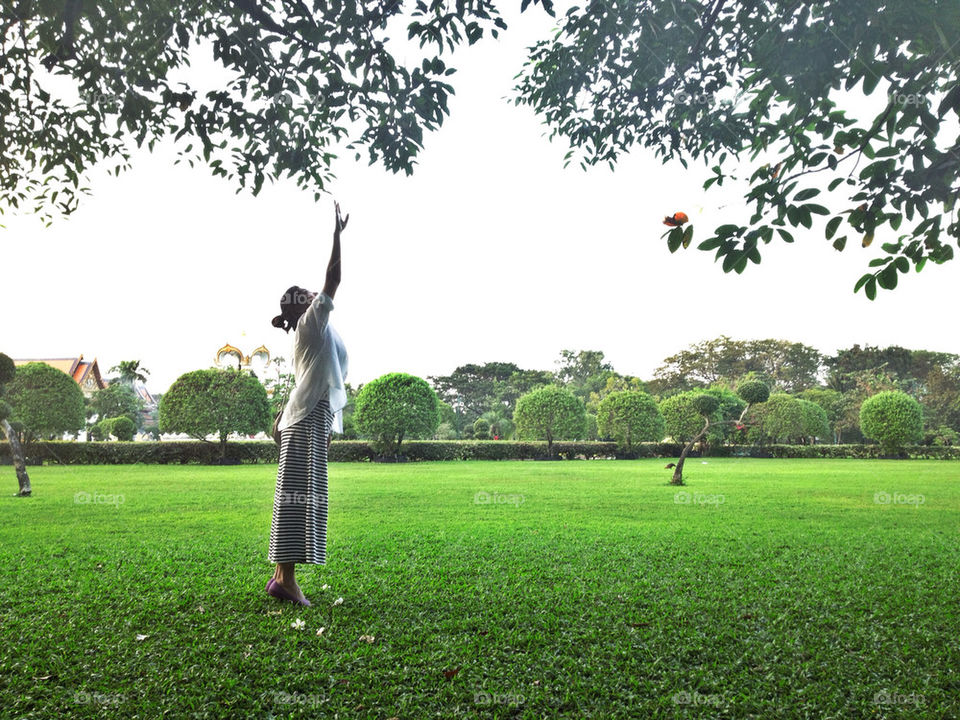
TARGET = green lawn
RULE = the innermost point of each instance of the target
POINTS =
(584, 589)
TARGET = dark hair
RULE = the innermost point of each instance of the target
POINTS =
(290, 311)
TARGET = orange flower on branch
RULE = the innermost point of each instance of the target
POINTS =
(676, 220)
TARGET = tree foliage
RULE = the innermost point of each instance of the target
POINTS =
(630, 417)
(550, 413)
(396, 406)
(682, 414)
(114, 400)
(815, 423)
(215, 402)
(784, 365)
(304, 77)
(46, 402)
(893, 419)
(772, 87)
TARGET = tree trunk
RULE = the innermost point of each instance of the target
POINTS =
(678, 470)
(18, 461)
(223, 448)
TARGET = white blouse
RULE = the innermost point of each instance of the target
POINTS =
(319, 366)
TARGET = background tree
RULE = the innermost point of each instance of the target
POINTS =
(729, 414)
(785, 366)
(941, 399)
(215, 402)
(549, 413)
(893, 419)
(130, 372)
(499, 425)
(682, 419)
(583, 372)
(815, 423)
(704, 406)
(778, 420)
(122, 428)
(833, 403)
(615, 382)
(474, 389)
(114, 400)
(396, 406)
(774, 86)
(630, 417)
(8, 371)
(46, 402)
(481, 429)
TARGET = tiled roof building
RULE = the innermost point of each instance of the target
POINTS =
(85, 372)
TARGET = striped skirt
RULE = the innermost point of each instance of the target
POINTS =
(298, 533)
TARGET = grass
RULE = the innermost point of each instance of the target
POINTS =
(781, 589)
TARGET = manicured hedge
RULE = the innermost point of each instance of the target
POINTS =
(119, 453)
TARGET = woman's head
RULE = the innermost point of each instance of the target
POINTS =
(293, 304)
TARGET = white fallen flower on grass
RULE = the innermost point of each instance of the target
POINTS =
(298, 624)
(320, 631)
(368, 638)
(338, 601)
(325, 587)
(142, 637)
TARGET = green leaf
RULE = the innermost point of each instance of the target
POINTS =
(871, 288)
(832, 226)
(674, 239)
(787, 237)
(806, 194)
(888, 278)
(840, 243)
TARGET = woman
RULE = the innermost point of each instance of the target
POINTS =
(298, 532)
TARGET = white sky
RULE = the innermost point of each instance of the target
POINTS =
(491, 251)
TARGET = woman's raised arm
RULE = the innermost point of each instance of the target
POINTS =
(333, 267)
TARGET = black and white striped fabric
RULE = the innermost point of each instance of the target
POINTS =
(298, 533)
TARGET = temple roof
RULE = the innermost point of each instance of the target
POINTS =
(76, 367)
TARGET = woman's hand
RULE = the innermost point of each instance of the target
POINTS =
(341, 221)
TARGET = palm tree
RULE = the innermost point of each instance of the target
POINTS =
(130, 372)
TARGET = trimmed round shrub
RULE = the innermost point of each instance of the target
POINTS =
(682, 421)
(705, 404)
(47, 401)
(753, 391)
(7, 369)
(630, 417)
(396, 406)
(122, 427)
(549, 413)
(101, 430)
(815, 423)
(481, 429)
(893, 419)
